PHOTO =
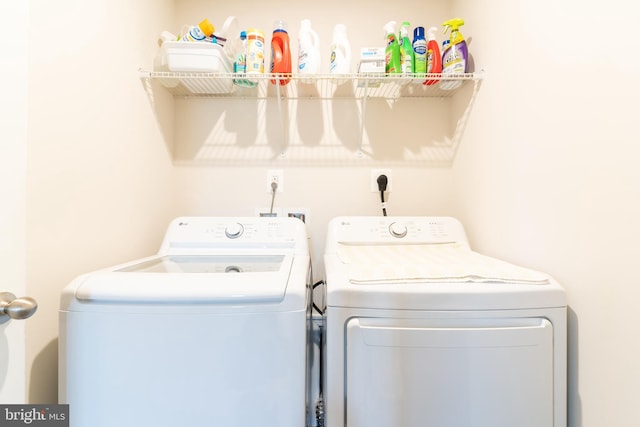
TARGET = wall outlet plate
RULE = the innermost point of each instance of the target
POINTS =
(277, 176)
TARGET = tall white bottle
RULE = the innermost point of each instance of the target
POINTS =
(308, 49)
(340, 62)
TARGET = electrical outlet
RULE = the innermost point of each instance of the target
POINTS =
(375, 173)
(277, 176)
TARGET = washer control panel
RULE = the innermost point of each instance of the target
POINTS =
(240, 232)
(390, 230)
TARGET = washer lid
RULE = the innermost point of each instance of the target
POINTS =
(228, 279)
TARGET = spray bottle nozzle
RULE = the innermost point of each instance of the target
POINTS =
(390, 27)
(452, 24)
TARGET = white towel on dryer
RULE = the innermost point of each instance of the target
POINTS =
(450, 262)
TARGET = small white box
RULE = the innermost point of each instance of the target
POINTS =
(371, 61)
(371, 65)
(202, 57)
(372, 53)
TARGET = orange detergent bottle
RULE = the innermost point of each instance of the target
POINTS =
(280, 53)
(434, 58)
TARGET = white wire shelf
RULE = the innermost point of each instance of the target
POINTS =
(319, 86)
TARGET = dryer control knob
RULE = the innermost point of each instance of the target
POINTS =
(233, 231)
(398, 229)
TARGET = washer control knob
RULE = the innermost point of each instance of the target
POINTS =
(398, 229)
(233, 231)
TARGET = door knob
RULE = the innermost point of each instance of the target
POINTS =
(16, 308)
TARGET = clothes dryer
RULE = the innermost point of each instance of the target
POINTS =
(423, 331)
(213, 330)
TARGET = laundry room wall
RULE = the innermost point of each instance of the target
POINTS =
(544, 174)
(108, 163)
(547, 176)
(99, 175)
(216, 173)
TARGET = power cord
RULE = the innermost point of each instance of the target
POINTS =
(315, 307)
(382, 186)
(274, 187)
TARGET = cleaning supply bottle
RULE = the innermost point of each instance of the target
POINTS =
(280, 53)
(255, 52)
(192, 33)
(455, 57)
(434, 59)
(443, 49)
(240, 64)
(392, 51)
(406, 50)
(340, 60)
(419, 51)
(308, 49)
(207, 29)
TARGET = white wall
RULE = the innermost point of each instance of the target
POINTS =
(13, 168)
(399, 136)
(547, 176)
(99, 176)
(101, 187)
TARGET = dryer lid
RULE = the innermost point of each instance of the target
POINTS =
(221, 279)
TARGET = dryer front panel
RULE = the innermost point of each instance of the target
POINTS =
(449, 372)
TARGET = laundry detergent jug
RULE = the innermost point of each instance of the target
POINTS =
(280, 54)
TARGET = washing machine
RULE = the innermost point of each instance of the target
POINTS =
(423, 331)
(211, 331)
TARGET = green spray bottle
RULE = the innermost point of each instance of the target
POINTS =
(392, 51)
(406, 50)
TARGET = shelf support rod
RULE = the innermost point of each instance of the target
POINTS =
(282, 120)
(363, 113)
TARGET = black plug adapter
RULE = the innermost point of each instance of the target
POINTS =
(382, 182)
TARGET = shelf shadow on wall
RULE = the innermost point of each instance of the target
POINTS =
(161, 102)
(316, 129)
(418, 131)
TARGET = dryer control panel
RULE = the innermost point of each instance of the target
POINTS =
(395, 230)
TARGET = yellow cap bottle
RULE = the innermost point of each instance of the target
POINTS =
(206, 27)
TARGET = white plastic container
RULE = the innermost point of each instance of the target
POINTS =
(308, 49)
(192, 57)
(340, 61)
